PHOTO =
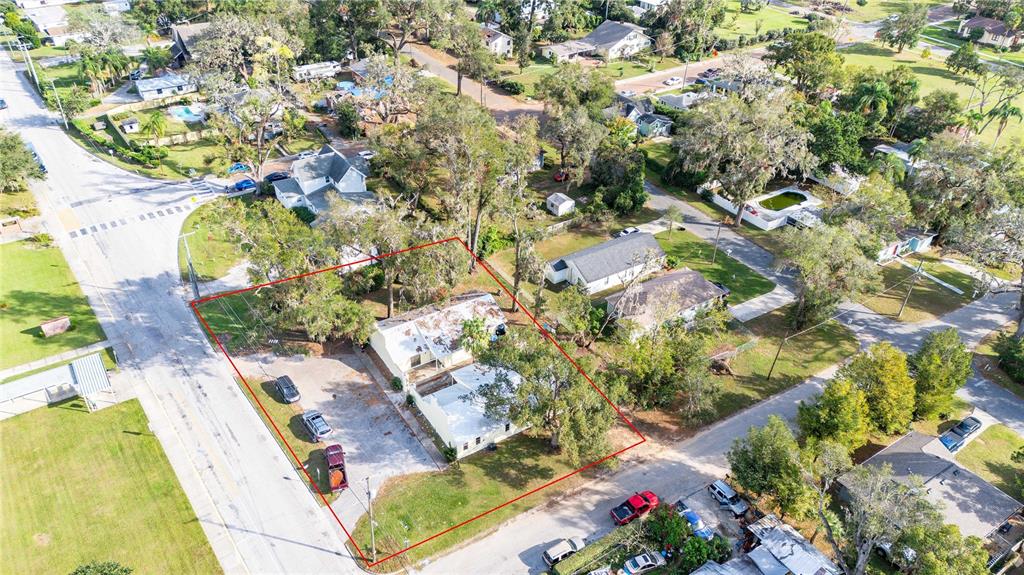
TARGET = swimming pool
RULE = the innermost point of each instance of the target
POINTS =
(190, 114)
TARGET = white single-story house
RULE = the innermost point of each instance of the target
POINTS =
(838, 180)
(313, 177)
(52, 24)
(459, 417)
(429, 336)
(499, 43)
(316, 71)
(654, 125)
(130, 126)
(909, 241)
(611, 40)
(560, 204)
(608, 265)
(163, 86)
(994, 32)
(686, 100)
(677, 295)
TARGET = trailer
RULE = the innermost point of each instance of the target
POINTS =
(336, 467)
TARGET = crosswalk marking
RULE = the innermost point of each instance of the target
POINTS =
(122, 222)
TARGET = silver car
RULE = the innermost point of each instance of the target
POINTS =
(563, 549)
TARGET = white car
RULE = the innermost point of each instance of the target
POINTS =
(628, 231)
(673, 81)
(563, 549)
(306, 154)
(627, 93)
(367, 154)
(642, 564)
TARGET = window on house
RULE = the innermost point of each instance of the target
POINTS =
(478, 441)
(465, 446)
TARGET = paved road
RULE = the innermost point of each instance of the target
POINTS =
(118, 232)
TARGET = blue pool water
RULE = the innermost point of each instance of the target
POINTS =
(187, 114)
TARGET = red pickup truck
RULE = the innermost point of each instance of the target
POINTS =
(336, 467)
(636, 506)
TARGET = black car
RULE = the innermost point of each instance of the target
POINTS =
(968, 426)
(286, 389)
(275, 176)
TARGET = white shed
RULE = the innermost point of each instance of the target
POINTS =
(560, 204)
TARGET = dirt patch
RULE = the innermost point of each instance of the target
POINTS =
(42, 539)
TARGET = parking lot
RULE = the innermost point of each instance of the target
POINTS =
(377, 442)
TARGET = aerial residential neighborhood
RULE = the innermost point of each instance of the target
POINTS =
(546, 287)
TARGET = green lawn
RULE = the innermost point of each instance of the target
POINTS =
(945, 35)
(738, 23)
(413, 507)
(213, 254)
(231, 318)
(988, 455)
(932, 74)
(801, 357)
(21, 204)
(873, 10)
(695, 253)
(987, 362)
(37, 53)
(310, 140)
(928, 300)
(80, 486)
(36, 285)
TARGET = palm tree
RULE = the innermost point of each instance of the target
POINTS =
(89, 66)
(155, 125)
(156, 58)
(1004, 113)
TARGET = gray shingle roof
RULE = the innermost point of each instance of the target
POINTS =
(611, 32)
(327, 163)
(612, 257)
(680, 289)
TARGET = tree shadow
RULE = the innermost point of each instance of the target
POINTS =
(513, 463)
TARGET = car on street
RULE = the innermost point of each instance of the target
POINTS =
(727, 497)
(673, 81)
(697, 525)
(563, 550)
(956, 437)
(643, 563)
(286, 389)
(316, 425)
(246, 184)
(627, 93)
(275, 176)
(306, 154)
(628, 231)
(367, 154)
(709, 73)
(640, 504)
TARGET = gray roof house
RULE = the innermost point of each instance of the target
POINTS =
(780, 550)
(314, 177)
(183, 36)
(611, 40)
(608, 265)
(164, 86)
(679, 294)
(964, 499)
(654, 125)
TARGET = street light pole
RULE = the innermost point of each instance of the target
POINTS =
(369, 503)
(61, 107)
(191, 269)
(718, 234)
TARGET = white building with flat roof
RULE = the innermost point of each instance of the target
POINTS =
(459, 417)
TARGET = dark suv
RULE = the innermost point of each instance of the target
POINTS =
(286, 389)
(316, 425)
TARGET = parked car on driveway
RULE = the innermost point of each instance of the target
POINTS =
(627, 231)
(636, 506)
(306, 154)
(560, 176)
(237, 168)
(316, 425)
(246, 184)
(643, 563)
(727, 497)
(275, 176)
(956, 437)
(563, 550)
(286, 389)
(627, 93)
(697, 525)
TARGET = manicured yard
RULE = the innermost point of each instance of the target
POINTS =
(412, 507)
(21, 204)
(695, 253)
(801, 357)
(617, 70)
(945, 35)
(80, 486)
(36, 285)
(310, 140)
(989, 456)
(37, 53)
(213, 254)
(932, 74)
(873, 10)
(934, 266)
(738, 23)
(929, 300)
(987, 362)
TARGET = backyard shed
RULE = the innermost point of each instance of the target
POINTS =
(130, 126)
(560, 204)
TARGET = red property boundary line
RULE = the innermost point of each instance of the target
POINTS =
(195, 303)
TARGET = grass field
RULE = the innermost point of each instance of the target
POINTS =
(932, 74)
(928, 300)
(80, 486)
(945, 35)
(695, 253)
(213, 253)
(738, 23)
(36, 285)
(989, 456)
(413, 507)
(987, 362)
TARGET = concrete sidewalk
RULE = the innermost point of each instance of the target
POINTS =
(54, 359)
(762, 304)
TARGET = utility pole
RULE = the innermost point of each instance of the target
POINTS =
(913, 283)
(191, 269)
(369, 503)
(776, 359)
(61, 107)
(718, 234)
(31, 67)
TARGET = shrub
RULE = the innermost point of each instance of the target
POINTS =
(514, 87)
(493, 240)
(410, 400)
(44, 240)
(396, 384)
(1011, 356)
(449, 453)
(862, 3)
(672, 261)
(304, 214)
(348, 120)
